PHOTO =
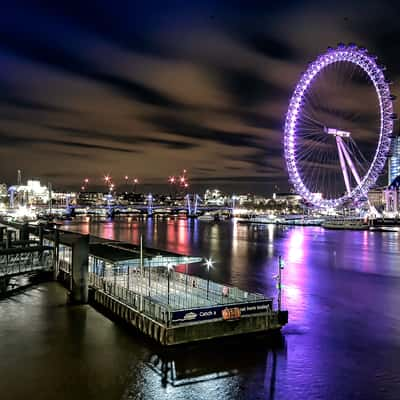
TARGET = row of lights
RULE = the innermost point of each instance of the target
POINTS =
(109, 183)
(181, 180)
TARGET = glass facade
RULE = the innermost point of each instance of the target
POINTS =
(394, 161)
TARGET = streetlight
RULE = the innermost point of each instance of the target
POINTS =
(209, 264)
(169, 268)
(135, 182)
(126, 177)
(281, 264)
(172, 181)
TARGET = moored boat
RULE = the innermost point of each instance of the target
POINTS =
(346, 224)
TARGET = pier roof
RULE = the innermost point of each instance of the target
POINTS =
(121, 252)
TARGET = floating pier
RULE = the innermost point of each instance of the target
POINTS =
(141, 287)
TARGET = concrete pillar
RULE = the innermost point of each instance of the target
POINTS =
(24, 232)
(2, 230)
(41, 234)
(4, 281)
(56, 241)
(9, 238)
(80, 265)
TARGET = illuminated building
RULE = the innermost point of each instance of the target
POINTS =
(215, 197)
(3, 190)
(392, 196)
(394, 161)
(376, 198)
(287, 198)
(91, 198)
(32, 193)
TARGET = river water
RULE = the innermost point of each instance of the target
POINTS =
(342, 290)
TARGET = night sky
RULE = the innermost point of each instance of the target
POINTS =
(148, 88)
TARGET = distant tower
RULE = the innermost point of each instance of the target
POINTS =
(50, 189)
(19, 178)
(394, 160)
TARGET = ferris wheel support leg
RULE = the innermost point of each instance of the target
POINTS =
(343, 164)
(349, 161)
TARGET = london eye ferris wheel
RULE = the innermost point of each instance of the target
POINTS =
(338, 127)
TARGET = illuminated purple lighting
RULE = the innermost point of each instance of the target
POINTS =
(342, 54)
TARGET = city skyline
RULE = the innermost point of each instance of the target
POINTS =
(150, 90)
(199, 199)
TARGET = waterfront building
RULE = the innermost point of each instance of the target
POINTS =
(32, 193)
(3, 190)
(90, 198)
(62, 198)
(392, 196)
(215, 197)
(376, 198)
(291, 199)
(245, 199)
(394, 161)
(260, 201)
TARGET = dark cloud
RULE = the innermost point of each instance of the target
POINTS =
(67, 61)
(181, 127)
(18, 141)
(198, 85)
(263, 121)
(246, 87)
(171, 144)
(205, 169)
(269, 46)
(125, 139)
(233, 179)
(266, 159)
(29, 105)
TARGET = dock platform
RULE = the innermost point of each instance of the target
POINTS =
(140, 286)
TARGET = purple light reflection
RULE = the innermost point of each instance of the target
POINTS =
(295, 276)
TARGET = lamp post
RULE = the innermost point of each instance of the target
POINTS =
(141, 273)
(280, 268)
(209, 264)
(169, 268)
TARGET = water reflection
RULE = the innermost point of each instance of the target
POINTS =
(338, 286)
(197, 369)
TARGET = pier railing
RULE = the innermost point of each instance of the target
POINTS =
(159, 295)
(177, 290)
(158, 312)
(21, 260)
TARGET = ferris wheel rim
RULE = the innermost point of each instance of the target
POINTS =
(367, 62)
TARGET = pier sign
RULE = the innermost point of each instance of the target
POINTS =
(227, 311)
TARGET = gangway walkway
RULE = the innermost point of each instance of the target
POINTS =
(22, 260)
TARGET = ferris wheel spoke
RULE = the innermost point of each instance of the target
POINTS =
(310, 150)
(311, 119)
(358, 150)
(314, 166)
